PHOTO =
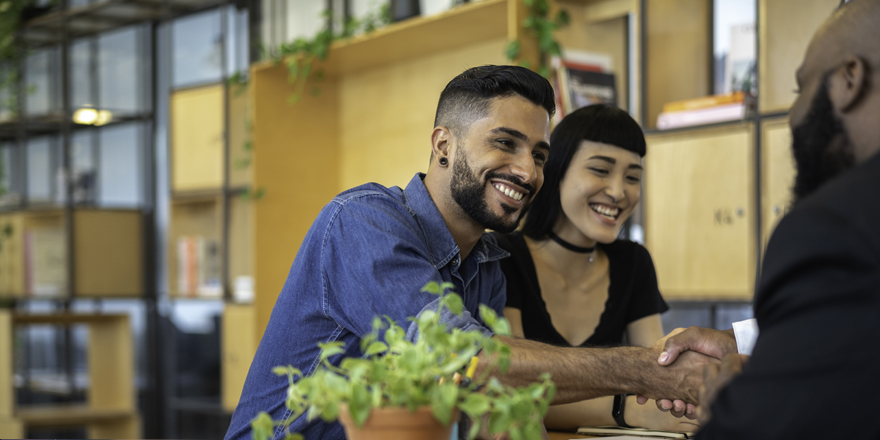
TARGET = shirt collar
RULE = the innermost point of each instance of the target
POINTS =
(440, 243)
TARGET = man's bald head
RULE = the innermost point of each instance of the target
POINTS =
(835, 117)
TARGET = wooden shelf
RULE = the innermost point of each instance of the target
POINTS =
(110, 411)
(68, 415)
(463, 25)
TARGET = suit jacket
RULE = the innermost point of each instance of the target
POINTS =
(815, 369)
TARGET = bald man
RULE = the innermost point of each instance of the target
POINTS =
(813, 373)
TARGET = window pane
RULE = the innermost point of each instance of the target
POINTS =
(82, 161)
(41, 73)
(735, 67)
(10, 180)
(121, 70)
(237, 41)
(120, 172)
(81, 78)
(42, 168)
(196, 43)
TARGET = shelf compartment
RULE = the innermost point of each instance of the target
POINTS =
(702, 237)
(460, 26)
(110, 411)
(196, 224)
(197, 138)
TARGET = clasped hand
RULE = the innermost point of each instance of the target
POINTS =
(719, 345)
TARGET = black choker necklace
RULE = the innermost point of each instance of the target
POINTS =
(569, 246)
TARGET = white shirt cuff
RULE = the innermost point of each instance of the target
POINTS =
(746, 333)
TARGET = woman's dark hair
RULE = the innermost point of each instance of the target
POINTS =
(596, 123)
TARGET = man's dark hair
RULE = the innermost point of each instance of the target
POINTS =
(466, 98)
(596, 123)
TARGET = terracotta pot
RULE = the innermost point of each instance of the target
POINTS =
(397, 424)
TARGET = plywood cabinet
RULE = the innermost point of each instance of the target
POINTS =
(108, 253)
(197, 144)
(777, 174)
(239, 342)
(700, 220)
(785, 28)
(110, 410)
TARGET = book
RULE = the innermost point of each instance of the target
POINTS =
(704, 102)
(607, 431)
(45, 261)
(198, 267)
(708, 115)
(581, 79)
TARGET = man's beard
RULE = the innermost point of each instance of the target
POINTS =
(470, 193)
(821, 146)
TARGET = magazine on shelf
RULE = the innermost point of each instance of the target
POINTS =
(581, 79)
(705, 110)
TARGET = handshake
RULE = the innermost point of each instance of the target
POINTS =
(705, 360)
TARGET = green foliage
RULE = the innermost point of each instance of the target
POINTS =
(10, 18)
(542, 28)
(395, 372)
(300, 55)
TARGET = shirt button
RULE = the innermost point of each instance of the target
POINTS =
(455, 262)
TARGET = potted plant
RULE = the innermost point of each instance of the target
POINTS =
(432, 376)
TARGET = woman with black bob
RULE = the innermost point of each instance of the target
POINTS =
(570, 280)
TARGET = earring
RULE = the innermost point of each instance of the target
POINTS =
(443, 161)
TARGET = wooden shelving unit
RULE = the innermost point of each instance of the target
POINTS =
(108, 255)
(110, 411)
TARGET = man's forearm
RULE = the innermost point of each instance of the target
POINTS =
(586, 373)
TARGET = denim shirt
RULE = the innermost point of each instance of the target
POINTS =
(368, 253)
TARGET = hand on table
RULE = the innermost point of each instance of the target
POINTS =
(716, 377)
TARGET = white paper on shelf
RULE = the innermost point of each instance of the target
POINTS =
(687, 118)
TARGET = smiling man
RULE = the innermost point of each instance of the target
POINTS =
(372, 248)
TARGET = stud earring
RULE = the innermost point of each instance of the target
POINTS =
(443, 161)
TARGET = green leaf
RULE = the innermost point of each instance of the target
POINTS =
(499, 422)
(488, 316)
(262, 427)
(562, 18)
(501, 327)
(454, 304)
(331, 411)
(512, 51)
(359, 404)
(476, 425)
(376, 348)
(330, 349)
(432, 287)
(475, 405)
(443, 401)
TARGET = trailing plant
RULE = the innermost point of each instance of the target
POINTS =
(542, 27)
(395, 372)
(10, 18)
(300, 55)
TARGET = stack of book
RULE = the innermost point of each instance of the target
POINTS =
(198, 267)
(705, 110)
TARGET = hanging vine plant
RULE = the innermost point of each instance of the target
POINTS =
(11, 12)
(542, 27)
(300, 55)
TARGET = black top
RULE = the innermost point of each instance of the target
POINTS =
(632, 294)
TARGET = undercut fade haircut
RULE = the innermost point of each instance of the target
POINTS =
(466, 98)
(595, 123)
